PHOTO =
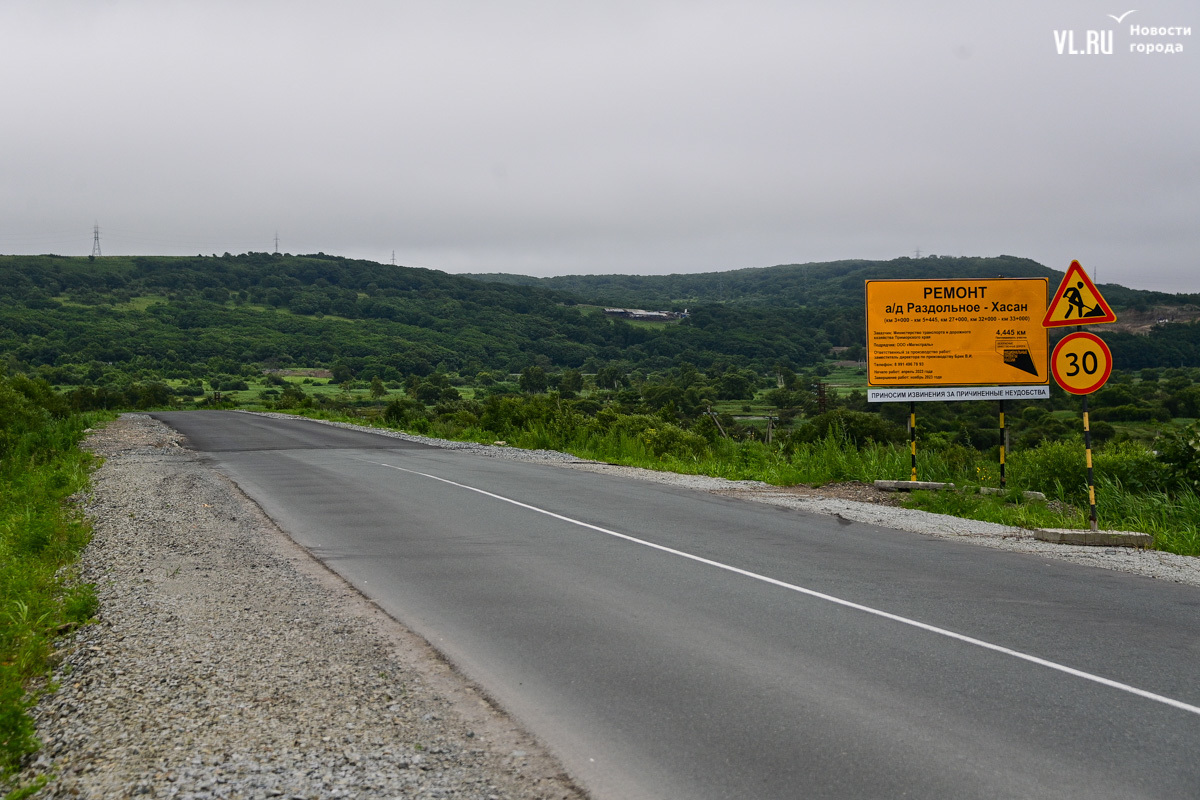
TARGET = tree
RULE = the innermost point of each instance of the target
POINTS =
(570, 383)
(377, 388)
(533, 380)
(610, 377)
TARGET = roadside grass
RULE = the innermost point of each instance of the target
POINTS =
(40, 538)
(1173, 520)
(1008, 509)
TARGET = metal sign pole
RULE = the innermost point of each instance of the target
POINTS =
(1087, 444)
(1003, 437)
(912, 434)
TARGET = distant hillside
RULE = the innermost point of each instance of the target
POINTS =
(833, 283)
(76, 320)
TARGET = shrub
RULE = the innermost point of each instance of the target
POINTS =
(858, 427)
(1179, 455)
(1132, 466)
(671, 440)
(1059, 469)
(404, 411)
(1055, 468)
(39, 467)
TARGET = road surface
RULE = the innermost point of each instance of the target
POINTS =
(668, 643)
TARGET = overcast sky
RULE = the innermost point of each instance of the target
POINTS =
(634, 137)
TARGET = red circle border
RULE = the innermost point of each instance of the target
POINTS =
(1107, 369)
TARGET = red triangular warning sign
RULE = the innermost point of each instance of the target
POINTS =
(1077, 302)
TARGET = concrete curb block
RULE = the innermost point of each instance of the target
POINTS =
(910, 486)
(1026, 495)
(1094, 538)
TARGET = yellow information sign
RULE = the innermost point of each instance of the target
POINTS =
(957, 332)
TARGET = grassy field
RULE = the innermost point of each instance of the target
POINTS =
(847, 377)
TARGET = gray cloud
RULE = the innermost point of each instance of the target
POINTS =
(602, 137)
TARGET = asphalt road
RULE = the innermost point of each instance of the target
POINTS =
(672, 644)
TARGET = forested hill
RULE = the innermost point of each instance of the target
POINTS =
(75, 320)
(832, 283)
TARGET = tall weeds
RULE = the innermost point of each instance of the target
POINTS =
(40, 536)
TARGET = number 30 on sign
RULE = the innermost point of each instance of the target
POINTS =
(1081, 363)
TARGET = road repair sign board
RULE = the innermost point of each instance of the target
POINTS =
(957, 332)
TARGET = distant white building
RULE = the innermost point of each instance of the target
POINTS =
(650, 316)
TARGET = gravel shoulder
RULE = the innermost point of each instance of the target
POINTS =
(228, 663)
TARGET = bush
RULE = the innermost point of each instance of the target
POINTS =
(1131, 413)
(293, 396)
(404, 411)
(671, 440)
(1179, 455)
(1132, 466)
(858, 427)
(1059, 469)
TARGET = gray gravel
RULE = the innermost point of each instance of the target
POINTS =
(228, 663)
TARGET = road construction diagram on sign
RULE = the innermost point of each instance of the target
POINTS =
(956, 332)
(1017, 354)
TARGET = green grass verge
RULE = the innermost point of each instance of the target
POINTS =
(1173, 520)
(40, 538)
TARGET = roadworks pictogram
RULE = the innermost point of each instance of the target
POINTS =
(1016, 353)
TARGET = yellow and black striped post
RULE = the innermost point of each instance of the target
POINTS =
(912, 436)
(1002, 481)
(1087, 444)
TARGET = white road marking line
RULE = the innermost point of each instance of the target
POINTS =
(1124, 687)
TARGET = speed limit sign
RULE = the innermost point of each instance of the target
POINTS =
(1081, 363)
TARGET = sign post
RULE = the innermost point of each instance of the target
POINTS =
(1003, 446)
(1081, 361)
